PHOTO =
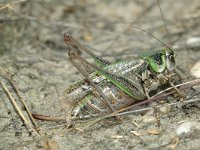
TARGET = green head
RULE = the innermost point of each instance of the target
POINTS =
(161, 61)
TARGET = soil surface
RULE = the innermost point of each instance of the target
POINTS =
(32, 48)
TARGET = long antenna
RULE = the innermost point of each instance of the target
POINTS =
(150, 34)
(164, 23)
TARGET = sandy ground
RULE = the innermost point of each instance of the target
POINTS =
(32, 47)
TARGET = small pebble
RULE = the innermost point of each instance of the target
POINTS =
(165, 109)
(188, 127)
(154, 132)
(195, 71)
(193, 41)
(117, 137)
(149, 119)
(87, 37)
(136, 133)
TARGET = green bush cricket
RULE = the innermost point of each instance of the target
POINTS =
(108, 87)
(114, 86)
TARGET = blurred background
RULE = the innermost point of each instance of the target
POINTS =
(32, 47)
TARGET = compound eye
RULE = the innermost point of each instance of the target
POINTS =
(170, 62)
(172, 58)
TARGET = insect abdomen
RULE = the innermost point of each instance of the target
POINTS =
(93, 105)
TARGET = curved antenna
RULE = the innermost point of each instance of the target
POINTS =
(164, 24)
(150, 34)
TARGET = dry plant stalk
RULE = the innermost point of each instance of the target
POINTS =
(7, 75)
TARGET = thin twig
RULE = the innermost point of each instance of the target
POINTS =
(149, 108)
(9, 5)
(24, 104)
(163, 94)
(19, 112)
(8, 76)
